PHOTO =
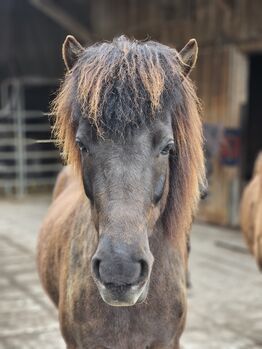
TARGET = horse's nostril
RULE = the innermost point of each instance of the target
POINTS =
(144, 271)
(95, 267)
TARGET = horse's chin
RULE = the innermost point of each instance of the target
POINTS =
(134, 295)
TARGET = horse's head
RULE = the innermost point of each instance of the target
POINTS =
(127, 182)
(122, 99)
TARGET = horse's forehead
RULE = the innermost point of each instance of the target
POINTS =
(130, 135)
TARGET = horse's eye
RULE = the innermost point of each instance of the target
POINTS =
(81, 146)
(168, 148)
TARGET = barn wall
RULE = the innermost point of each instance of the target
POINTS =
(221, 76)
(31, 40)
(211, 22)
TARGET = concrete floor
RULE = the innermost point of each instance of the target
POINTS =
(225, 303)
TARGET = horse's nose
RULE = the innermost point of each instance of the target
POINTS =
(119, 267)
(119, 272)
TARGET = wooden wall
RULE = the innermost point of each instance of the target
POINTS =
(211, 22)
(222, 79)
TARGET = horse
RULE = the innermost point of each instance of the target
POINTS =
(112, 250)
(251, 212)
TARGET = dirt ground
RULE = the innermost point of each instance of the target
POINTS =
(225, 302)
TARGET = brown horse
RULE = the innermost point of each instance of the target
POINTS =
(251, 212)
(112, 251)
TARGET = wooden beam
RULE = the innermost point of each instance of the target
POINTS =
(65, 20)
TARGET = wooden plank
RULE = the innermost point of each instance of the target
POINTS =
(64, 19)
(222, 80)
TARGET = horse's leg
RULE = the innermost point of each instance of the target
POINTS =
(176, 346)
(172, 346)
(188, 278)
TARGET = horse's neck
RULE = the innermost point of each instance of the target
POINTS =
(166, 250)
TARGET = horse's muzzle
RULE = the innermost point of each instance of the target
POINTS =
(123, 296)
(121, 273)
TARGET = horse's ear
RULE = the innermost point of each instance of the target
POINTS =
(71, 51)
(188, 56)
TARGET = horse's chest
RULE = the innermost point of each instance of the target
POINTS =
(130, 332)
(156, 322)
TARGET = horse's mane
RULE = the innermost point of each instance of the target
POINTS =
(119, 85)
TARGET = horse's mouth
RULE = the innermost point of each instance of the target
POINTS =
(123, 295)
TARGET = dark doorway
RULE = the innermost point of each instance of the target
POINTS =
(252, 127)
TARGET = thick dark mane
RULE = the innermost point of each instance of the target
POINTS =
(124, 84)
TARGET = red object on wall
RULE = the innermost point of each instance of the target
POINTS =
(230, 147)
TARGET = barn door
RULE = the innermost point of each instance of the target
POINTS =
(221, 77)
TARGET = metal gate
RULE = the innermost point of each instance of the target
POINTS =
(28, 157)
